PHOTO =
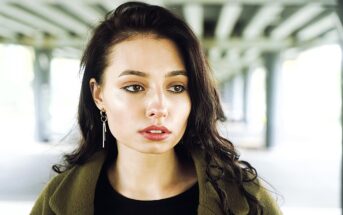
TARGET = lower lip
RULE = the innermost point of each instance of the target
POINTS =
(155, 137)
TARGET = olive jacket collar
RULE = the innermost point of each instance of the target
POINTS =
(72, 192)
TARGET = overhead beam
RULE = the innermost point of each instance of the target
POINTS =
(110, 5)
(227, 67)
(233, 55)
(67, 22)
(259, 22)
(214, 53)
(253, 2)
(300, 18)
(17, 26)
(68, 52)
(260, 43)
(194, 16)
(247, 2)
(227, 19)
(83, 10)
(331, 36)
(251, 55)
(240, 44)
(31, 20)
(6, 33)
(318, 28)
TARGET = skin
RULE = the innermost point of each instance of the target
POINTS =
(154, 94)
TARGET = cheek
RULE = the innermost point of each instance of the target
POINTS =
(122, 112)
(182, 110)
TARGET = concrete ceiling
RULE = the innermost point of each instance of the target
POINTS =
(234, 33)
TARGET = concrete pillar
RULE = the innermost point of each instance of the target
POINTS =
(237, 100)
(41, 88)
(246, 81)
(227, 97)
(339, 11)
(272, 64)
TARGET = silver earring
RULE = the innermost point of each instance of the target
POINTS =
(103, 118)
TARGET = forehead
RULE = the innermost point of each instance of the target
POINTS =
(145, 52)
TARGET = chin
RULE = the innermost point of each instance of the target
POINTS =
(155, 148)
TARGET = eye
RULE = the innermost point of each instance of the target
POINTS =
(135, 88)
(177, 89)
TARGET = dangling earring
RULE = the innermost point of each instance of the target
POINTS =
(103, 118)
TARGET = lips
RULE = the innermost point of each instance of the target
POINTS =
(155, 133)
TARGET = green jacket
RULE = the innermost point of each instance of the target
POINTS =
(72, 192)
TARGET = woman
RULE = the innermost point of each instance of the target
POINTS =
(148, 112)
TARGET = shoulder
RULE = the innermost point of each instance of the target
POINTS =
(41, 205)
(67, 188)
(266, 196)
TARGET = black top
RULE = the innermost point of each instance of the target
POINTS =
(109, 201)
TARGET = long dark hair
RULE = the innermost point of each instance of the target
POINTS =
(134, 18)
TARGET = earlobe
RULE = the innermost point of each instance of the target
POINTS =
(96, 93)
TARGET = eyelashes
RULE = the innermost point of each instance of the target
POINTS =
(136, 88)
(177, 88)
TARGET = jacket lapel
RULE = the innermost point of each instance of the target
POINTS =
(209, 200)
(75, 194)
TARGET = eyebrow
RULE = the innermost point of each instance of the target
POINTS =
(142, 74)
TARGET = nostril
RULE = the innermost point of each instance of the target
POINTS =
(156, 113)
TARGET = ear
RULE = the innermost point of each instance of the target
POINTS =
(96, 93)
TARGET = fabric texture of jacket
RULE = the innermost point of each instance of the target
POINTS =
(72, 192)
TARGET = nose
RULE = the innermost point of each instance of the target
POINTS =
(156, 107)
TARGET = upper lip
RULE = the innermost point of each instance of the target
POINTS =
(155, 127)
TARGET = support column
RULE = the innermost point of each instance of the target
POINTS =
(246, 81)
(237, 102)
(41, 88)
(272, 64)
(339, 11)
(227, 92)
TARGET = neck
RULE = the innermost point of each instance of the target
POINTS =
(149, 176)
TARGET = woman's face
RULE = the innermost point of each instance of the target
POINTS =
(144, 93)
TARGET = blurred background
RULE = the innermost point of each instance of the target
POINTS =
(277, 64)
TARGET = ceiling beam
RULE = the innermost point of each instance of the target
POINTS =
(110, 5)
(227, 19)
(243, 44)
(317, 28)
(263, 44)
(300, 18)
(228, 67)
(214, 53)
(233, 55)
(67, 22)
(18, 27)
(250, 55)
(31, 20)
(7, 33)
(253, 2)
(247, 2)
(67, 52)
(331, 35)
(194, 16)
(83, 10)
(259, 22)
